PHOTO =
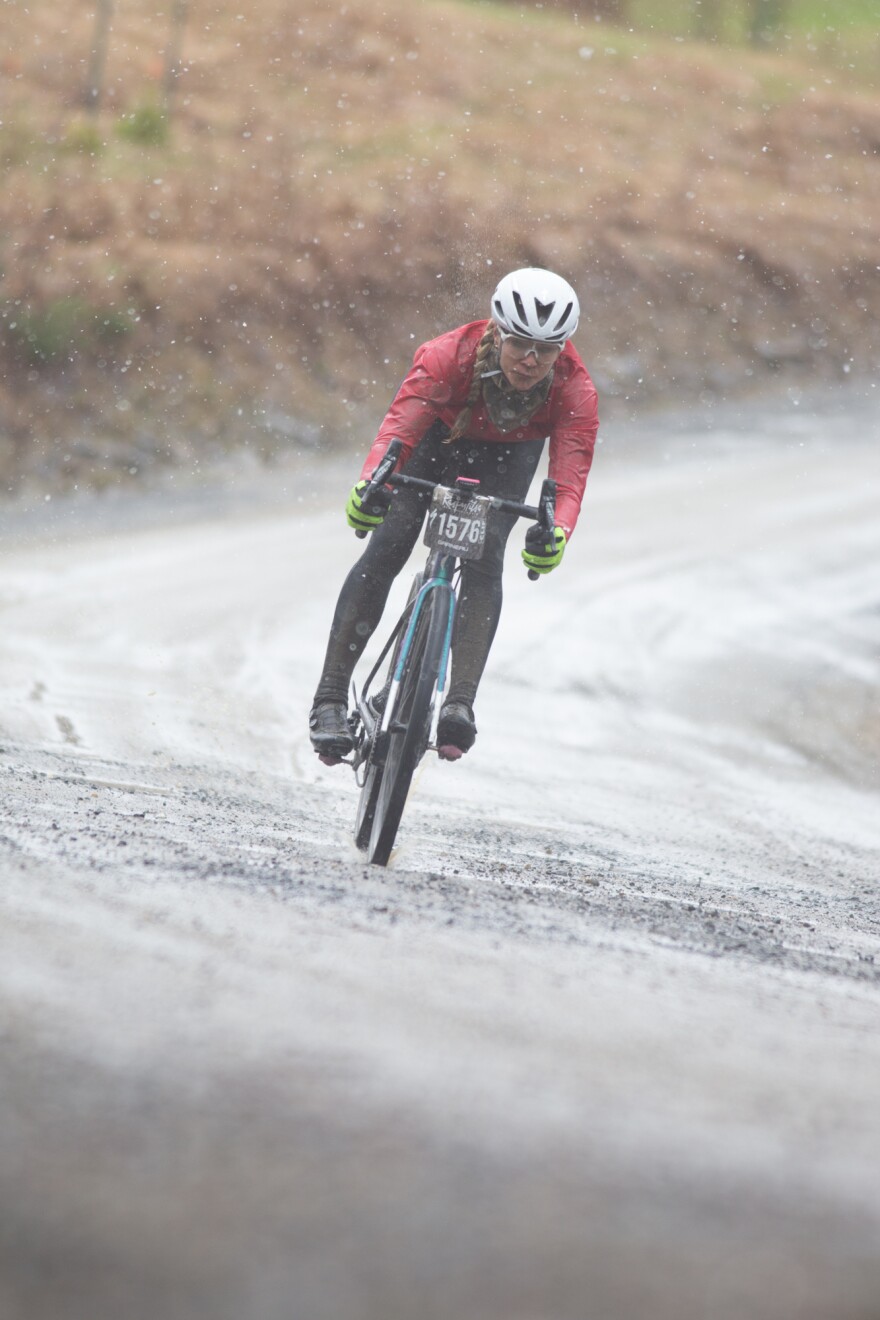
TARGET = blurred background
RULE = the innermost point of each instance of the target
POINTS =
(225, 229)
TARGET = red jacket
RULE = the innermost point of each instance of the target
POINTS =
(437, 386)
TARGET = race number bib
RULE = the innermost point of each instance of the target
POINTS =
(457, 522)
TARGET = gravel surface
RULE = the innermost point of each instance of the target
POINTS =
(601, 1043)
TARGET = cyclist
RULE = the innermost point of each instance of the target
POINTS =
(480, 401)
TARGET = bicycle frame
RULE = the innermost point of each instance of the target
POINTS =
(439, 573)
(438, 579)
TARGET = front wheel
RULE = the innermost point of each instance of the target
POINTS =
(363, 824)
(408, 728)
(375, 764)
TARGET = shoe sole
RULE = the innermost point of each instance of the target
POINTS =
(332, 747)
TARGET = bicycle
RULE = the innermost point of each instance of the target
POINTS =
(395, 726)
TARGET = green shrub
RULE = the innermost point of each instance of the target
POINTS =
(147, 126)
(83, 137)
(63, 328)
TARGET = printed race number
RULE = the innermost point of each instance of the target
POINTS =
(457, 523)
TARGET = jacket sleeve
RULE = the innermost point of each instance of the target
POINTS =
(427, 389)
(572, 441)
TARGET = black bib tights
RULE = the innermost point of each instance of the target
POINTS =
(505, 470)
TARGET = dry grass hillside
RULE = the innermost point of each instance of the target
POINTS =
(338, 182)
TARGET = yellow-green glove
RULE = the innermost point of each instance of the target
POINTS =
(543, 552)
(366, 517)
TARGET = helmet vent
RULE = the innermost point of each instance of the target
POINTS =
(565, 315)
(543, 310)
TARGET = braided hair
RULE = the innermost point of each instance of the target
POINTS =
(462, 421)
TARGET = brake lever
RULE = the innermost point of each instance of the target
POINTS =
(381, 473)
(546, 514)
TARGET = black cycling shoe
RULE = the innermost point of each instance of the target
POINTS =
(330, 730)
(456, 730)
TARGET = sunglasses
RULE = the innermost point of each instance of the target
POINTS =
(521, 348)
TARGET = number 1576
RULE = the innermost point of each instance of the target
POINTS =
(453, 527)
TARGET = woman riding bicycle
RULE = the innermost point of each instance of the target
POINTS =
(479, 401)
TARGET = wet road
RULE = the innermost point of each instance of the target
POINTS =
(603, 1039)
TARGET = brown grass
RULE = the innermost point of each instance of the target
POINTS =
(341, 182)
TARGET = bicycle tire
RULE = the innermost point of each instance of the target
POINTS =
(363, 825)
(409, 724)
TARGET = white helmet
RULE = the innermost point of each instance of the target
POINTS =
(536, 304)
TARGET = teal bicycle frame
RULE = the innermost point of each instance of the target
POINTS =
(439, 580)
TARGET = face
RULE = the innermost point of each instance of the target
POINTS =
(525, 362)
